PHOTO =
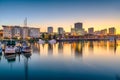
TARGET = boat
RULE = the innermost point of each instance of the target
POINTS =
(10, 47)
(10, 58)
(18, 48)
(27, 55)
(53, 41)
(41, 41)
(25, 48)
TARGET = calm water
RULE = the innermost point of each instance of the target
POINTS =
(99, 60)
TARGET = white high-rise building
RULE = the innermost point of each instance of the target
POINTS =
(17, 31)
(34, 32)
(25, 32)
(7, 31)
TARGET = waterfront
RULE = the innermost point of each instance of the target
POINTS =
(90, 60)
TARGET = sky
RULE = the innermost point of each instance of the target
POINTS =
(99, 14)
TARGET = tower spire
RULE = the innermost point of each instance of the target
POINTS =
(25, 22)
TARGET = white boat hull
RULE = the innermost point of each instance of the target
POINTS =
(41, 41)
(9, 50)
(52, 41)
(26, 49)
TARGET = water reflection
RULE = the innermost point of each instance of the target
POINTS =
(45, 60)
(35, 48)
(26, 67)
(50, 49)
(113, 46)
(78, 49)
(10, 58)
(91, 46)
(60, 47)
(74, 48)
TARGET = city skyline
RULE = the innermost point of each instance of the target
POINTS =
(100, 14)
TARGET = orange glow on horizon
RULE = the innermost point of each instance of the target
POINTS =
(98, 25)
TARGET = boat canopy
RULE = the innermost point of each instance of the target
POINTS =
(11, 43)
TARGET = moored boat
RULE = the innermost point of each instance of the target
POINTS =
(18, 48)
(53, 41)
(10, 47)
(41, 41)
(10, 58)
(25, 48)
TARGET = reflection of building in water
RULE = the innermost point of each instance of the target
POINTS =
(103, 44)
(50, 49)
(115, 46)
(78, 49)
(26, 57)
(112, 46)
(43, 46)
(36, 48)
(91, 46)
(60, 47)
(73, 46)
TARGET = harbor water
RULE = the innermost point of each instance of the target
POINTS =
(90, 60)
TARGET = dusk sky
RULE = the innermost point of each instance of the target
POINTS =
(99, 14)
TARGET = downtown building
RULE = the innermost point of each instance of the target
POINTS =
(79, 28)
(25, 32)
(73, 31)
(60, 31)
(8, 31)
(112, 31)
(97, 32)
(104, 32)
(50, 30)
(17, 32)
(34, 32)
(20, 32)
(91, 30)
